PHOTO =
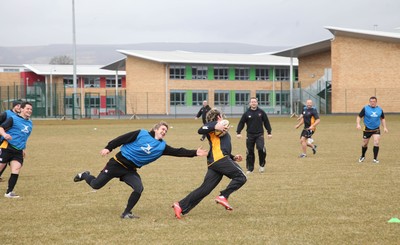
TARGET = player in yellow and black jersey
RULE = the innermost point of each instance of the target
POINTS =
(220, 162)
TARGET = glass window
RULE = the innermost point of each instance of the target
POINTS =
(221, 98)
(177, 98)
(296, 74)
(92, 82)
(110, 102)
(69, 102)
(92, 102)
(241, 73)
(68, 82)
(221, 73)
(282, 99)
(262, 73)
(199, 72)
(110, 82)
(263, 98)
(198, 97)
(177, 72)
(282, 74)
(242, 98)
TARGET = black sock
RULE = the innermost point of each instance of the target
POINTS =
(376, 150)
(363, 150)
(12, 182)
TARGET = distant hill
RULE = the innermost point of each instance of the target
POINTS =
(105, 54)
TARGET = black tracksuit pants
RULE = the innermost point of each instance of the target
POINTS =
(215, 172)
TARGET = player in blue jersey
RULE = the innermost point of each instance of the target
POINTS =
(138, 148)
(373, 117)
(220, 162)
(310, 118)
(15, 131)
(16, 108)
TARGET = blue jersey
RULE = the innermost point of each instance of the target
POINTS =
(144, 150)
(20, 131)
(372, 116)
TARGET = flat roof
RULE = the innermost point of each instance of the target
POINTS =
(82, 70)
(184, 57)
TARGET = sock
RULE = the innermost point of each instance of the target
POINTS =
(363, 150)
(376, 150)
(12, 182)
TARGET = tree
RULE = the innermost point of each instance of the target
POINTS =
(61, 60)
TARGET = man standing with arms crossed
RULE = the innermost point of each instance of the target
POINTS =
(255, 118)
(373, 116)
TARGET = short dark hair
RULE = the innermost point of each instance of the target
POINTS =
(16, 102)
(24, 103)
(213, 114)
(158, 125)
(373, 98)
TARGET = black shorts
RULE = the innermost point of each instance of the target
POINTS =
(306, 133)
(11, 154)
(367, 133)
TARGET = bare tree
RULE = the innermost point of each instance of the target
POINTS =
(61, 60)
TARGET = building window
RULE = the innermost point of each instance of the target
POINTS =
(177, 72)
(242, 98)
(296, 74)
(92, 102)
(91, 82)
(11, 70)
(110, 102)
(199, 72)
(262, 73)
(282, 74)
(68, 82)
(221, 98)
(221, 73)
(282, 99)
(241, 73)
(178, 98)
(199, 97)
(110, 82)
(263, 98)
(69, 102)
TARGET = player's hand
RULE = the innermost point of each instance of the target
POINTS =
(385, 130)
(358, 126)
(239, 136)
(7, 137)
(201, 152)
(238, 158)
(269, 136)
(104, 152)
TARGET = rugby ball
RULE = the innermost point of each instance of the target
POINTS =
(220, 133)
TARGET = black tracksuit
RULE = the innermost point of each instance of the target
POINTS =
(220, 162)
(255, 120)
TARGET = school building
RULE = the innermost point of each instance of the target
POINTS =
(339, 74)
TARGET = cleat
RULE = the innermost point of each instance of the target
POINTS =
(375, 161)
(361, 159)
(261, 169)
(177, 209)
(129, 215)
(249, 172)
(78, 177)
(11, 195)
(303, 155)
(314, 150)
(224, 202)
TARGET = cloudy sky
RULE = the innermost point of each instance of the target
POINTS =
(260, 22)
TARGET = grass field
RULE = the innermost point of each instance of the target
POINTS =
(327, 198)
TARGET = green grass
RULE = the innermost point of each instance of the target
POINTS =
(327, 198)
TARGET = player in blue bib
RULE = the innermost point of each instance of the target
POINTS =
(138, 148)
(373, 117)
(15, 131)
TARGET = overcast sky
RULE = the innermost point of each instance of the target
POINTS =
(260, 22)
